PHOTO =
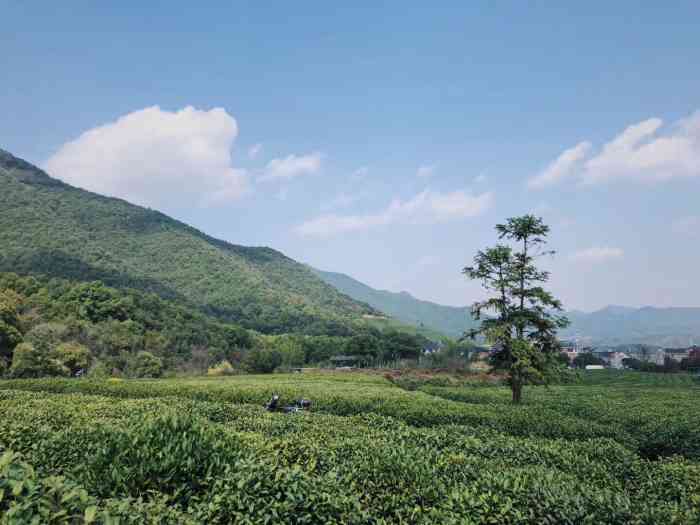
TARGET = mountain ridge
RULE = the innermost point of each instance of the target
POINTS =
(452, 321)
(50, 228)
(612, 324)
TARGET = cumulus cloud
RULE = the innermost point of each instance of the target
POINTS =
(292, 166)
(562, 167)
(156, 158)
(254, 150)
(641, 152)
(427, 170)
(596, 255)
(426, 207)
(646, 151)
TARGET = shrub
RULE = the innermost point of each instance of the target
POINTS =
(73, 356)
(369, 452)
(262, 360)
(27, 498)
(47, 336)
(224, 368)
(144, 365)
(98, 370)
(177, 455)
(28, 361)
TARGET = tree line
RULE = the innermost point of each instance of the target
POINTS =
(62, 327)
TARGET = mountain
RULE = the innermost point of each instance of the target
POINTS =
(49, 228)
(449, 320)
(669, 327)
(612, 325)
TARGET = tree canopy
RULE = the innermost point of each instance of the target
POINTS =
(524, 316)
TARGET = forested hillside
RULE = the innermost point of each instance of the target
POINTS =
(56, 327)
(449, 320)
(48, 228)
(612, 325)
(648, 325)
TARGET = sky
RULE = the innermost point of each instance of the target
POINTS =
(382, 140)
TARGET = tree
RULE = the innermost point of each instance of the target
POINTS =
(29, 361)
(47, 336)
(10, 335)
(401, 345)
(145, 364)
(262, 360)
(365, 346)
(523, 329)
(73, 356)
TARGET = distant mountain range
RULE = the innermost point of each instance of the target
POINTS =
(669, 327)
(449, 320)
(612, 325)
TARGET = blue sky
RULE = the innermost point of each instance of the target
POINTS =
(382, 141)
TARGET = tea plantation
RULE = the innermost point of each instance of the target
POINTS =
(608, 450)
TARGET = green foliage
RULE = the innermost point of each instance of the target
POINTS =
(145, 365)
(29, 361)
(205, 451)
(262, 360)
(223, 368)
(73, 356)
(51, 309)
(524, 326)
(48, 228)
(47, 336)
(27, 498)
(172, 454)
(10, 335)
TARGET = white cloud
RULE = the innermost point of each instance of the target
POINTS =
(254, 150)
(427, 170)
(360, 172)
(640, 152)
(156, 158)
(596, 254)
(646, 151)
(292, 166)
(562, 167)
(425, 207)
(687, 225)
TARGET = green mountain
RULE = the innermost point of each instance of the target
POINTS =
(449, 320)
(51, 229)
(614, 325)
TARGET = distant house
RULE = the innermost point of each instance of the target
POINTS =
(678, 354)
(430, 347)
(595, 367)
(616, 358)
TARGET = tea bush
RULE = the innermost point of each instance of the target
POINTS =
(205, 451)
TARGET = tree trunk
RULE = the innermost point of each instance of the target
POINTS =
(517, 389)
